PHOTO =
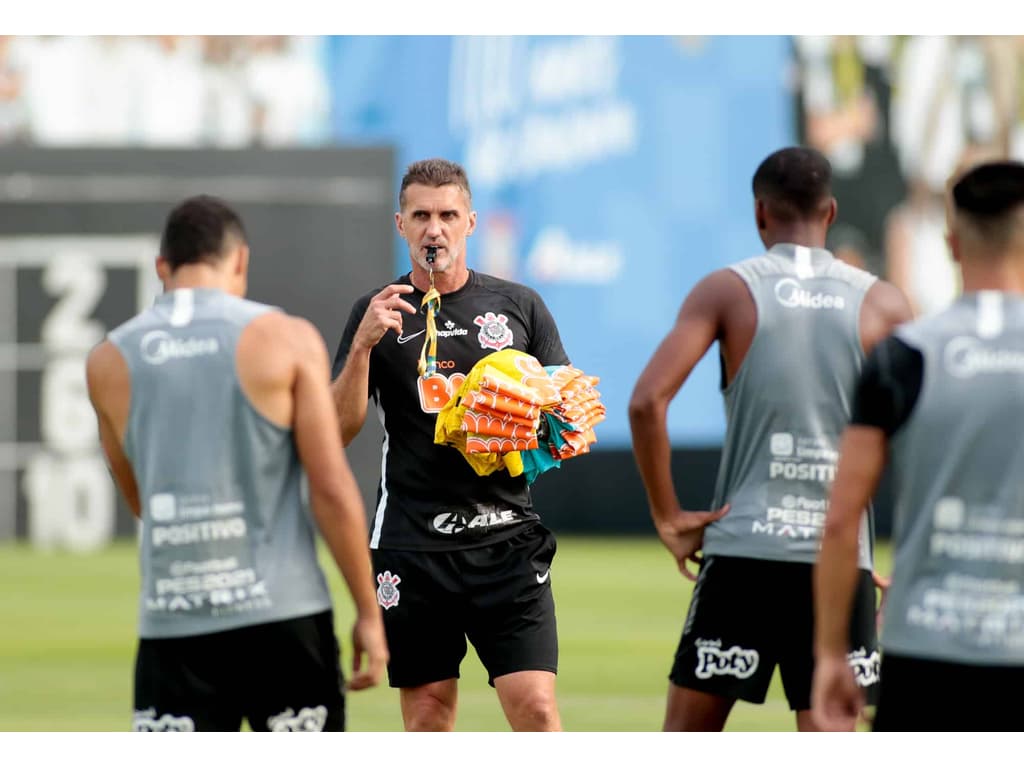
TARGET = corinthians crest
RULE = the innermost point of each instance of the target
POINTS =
(494, 331)
(387, 589)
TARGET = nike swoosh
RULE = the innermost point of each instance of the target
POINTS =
(403, 339)
(541, 578)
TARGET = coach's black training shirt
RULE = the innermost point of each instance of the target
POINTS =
(429, 497)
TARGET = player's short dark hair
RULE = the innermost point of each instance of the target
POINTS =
(990, 189)
(795, 181)
(435, 172)
(200, 229)
(988, 196)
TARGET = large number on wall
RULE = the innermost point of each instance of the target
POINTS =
(71, 502)
(70, 497)
(78, 282)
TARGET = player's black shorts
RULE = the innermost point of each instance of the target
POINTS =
(748, 615)
(925, 695)
(280, 676)
(499, 596)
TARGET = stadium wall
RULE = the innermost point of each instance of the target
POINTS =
(79, 232)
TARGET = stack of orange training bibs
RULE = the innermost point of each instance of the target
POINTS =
(495, 418)
(575, 417)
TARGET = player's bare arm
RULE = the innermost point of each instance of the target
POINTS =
(110, 390)
(334, 496)
(698, 325)
(836, 699)
(351, 389)
(885, 306)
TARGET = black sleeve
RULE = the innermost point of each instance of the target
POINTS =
(889, 386)
(354, 318)
(545, 341)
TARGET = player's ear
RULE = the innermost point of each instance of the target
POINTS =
(954, 245)
(242, 262)
(760, 215)
(163, 270)
(399, 224)
(833, 209)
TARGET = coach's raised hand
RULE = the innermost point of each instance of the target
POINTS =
(384, 313)
(350, 390)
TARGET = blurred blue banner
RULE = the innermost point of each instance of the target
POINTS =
(610, 174)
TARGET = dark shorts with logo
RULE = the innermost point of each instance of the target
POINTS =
(747, 616)
(279, 676)
(498, 596)
(928, 695)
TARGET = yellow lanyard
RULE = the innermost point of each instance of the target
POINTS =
(427, 365)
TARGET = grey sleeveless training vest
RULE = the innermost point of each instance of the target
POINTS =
(787, 406)
(958, 463)
(227, 539)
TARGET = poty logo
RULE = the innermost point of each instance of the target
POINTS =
(736, 661)
(791, 295)
(494, 331)
(965, 357)
(865, 666)
(159, 346)
(308, 719)
(146, 720)
(387, 591)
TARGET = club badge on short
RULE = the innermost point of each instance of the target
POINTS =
(494, 331)
(387, 589)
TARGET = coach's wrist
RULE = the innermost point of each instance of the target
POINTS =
(369, 614)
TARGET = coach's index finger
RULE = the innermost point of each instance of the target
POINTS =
(391, 297)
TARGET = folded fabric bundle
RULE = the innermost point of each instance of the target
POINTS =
(570, 425)
(512, 413)
(489, 402)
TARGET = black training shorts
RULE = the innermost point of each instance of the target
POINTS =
(747, 616)
(926, 695)
(498, 595)
(280, 676)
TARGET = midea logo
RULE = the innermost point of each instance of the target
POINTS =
(159, 346)
(965, 357)
(791, 295)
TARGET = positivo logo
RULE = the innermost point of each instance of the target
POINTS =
(781, 444)
(950, 513)
(792, 295)
(159, 346)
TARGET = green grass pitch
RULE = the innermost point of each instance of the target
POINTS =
(68, 640)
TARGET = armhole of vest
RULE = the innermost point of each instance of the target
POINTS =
(746, 273)
(866, 282)
(127, 443)
(238, 375)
